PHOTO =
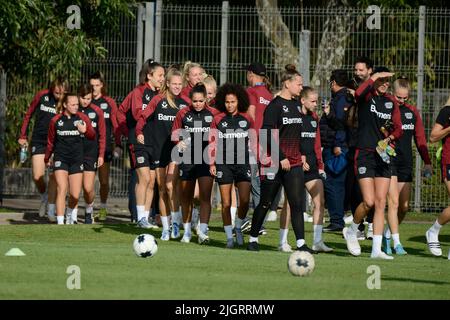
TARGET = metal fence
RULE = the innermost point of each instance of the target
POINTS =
(412, 42)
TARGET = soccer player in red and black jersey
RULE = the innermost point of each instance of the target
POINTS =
(376, 108)
(193, 73)
(151, 80)
(93, 150)
(153, 129)
(43, 107)
(400, 187)
(109, 108)
(66, 132)
(440, 132)
(281, 162)
(190, 132)
(231, 132)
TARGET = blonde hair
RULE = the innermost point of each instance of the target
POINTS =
(401, 83)
(64, 99)
(188, 65)
(210, 81)
(165, 88)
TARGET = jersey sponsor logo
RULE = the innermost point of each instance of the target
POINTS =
(91, 115)
(189, 118)
(408, 115)
(362, 170)
(264, 101)
(292, 120)
(314, 124)
(103, 106)
(208, 118)
(164, 117)
(219, 174)
(408, 126)
(140, 160)
(242, 124)
(224, 124)
(381, 115)
(285, 109)
(67, 132)
(308, 135)
(47, 109)
(164, 105)
(60, 123)
(233, 135)
(196, 129)
(57, 164)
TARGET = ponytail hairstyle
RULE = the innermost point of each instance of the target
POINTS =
(165, 88)
(60, 81)
(268, 84)
(148, 68)
(98, 75)
(188, 65)
(401, 82)
(306, 92)
(64, 99)
(289, 73)
(198, 88)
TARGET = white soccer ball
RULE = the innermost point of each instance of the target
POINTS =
(301, 263)
(145, 245)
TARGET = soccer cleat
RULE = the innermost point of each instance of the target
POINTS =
(202, 238)
(175, 234)
(360, 235)
(42, 209)
(88, 219)
(253, 246)
(262, 231)
(307, 217)
(348, 219)
(143, 223)
(369, 231)
(272, 216)
(239, 237)
(352, 242)
(386, 245)
(433, 244)
(321, 247)
(285, 247)
(165, 236)
(381, 255)
(102, 213)
(306, 248)
(246, 225)
(399, 250)
(186, 238)
(230, 243)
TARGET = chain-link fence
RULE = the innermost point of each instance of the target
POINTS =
(412, 42)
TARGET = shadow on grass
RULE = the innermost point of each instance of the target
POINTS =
(409, 280)
(443, 238)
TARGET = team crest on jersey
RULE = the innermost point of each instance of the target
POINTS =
(60, 123)
(208, 118)
(103, 105)
(77, 122)
(140, 160)
(388, 105)
(219, 174)
(314, 124)
(409, 115)
(242, 124)
(164, 105)
(285, 109)
(57, 164)
(91, 115)
(362, 170)
(46, 98)
(224, 124)
(189, 118)
(270, 175)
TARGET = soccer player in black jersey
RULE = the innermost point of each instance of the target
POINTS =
(281, 160)
(93, 150)
(65, 143)
(43, 107)
(379, 120)
(231, 132)
(154, 129)
(190, 132)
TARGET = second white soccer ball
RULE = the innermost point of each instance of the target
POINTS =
(145, 245)
(301, 263)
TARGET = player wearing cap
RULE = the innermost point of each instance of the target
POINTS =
(380, 115)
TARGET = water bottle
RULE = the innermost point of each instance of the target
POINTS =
(384, 156)
(23, 153)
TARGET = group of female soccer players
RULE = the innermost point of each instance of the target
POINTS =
(183, 133)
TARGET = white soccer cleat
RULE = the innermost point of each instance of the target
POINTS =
(202, 238)
(186, 238)
(165, 236)
(321, 247)
(348, 220)
(285, 247)
(272, 216)
(352, 242)
(381, 255)
(433, 243)
(175, 231)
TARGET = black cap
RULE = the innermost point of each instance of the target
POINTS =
(381, 69)
(257, 68)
